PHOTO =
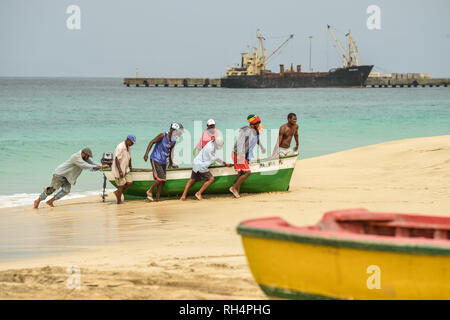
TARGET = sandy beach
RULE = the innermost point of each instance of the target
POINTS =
(174, 250)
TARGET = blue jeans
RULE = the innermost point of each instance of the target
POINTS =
(57, 182)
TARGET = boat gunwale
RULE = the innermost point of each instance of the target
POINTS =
(211, 167)
(342, 240)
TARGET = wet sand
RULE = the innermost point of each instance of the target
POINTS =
(174, 250)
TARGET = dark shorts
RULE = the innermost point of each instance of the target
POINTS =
(198, 176)
(159, 171)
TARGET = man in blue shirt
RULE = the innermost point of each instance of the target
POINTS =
(161, 154)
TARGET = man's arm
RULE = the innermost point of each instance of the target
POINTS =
(296, 139)
(240, 147)
(129, 165)
(170, 156)
(157, 139)
(261, 146)
(90, 161)
(87, 165)
(118, 167)
(223, 162)
(280, 138)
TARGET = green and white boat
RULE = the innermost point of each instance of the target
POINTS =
(267, 175)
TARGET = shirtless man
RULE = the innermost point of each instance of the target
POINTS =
(287, 131)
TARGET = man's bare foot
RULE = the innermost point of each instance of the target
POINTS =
(36, 203)
(119, 200)
(150, 196)
(234, 192)
(50, 202)
(183, 199)
(198, 196)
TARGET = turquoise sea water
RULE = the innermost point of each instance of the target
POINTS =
(44, 121)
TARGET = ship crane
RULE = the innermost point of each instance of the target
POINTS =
(345, 60)
(355, 50)
(279, 47)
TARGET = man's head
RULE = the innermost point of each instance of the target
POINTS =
(255, 122)
(86, 153)
(211, 124)
(176, 130)
(292, 118)
(218, 143)
(131, 139)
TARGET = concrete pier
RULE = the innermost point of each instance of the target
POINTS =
(376, 82)
(386, 82)
(172, 82)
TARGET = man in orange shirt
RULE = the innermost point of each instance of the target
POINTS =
(209, 134)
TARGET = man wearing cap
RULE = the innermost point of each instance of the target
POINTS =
(242, 148)
(161, 154)
(200, 167)
(287, 131)
(121, 166)
(66, 175)
(209, 134)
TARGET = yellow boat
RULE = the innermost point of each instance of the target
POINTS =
(351, 254)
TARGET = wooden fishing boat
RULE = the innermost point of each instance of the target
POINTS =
(267, 175)
(351, 254)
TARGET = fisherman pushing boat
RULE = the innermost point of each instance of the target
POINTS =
(242, 148)
(161, 156)
(121, 166)
(66, 175)
(287, 131)
(200, 167)
(210, 133)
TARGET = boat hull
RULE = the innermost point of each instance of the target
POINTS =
(267, 176)
(342, 77)
(310, 266)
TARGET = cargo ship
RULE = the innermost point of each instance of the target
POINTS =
(252, 72)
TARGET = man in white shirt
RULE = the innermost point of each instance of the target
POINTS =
(200, 167)
(66, 175)
(121, 166)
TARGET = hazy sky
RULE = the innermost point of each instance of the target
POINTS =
(200, 38)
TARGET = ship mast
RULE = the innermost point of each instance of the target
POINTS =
(355, 50)
(260, 58)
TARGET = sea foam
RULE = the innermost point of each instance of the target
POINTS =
(27, 199)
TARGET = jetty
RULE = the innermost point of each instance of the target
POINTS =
(383, 81)
(172, 82)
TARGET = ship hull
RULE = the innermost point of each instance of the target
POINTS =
(342, 77)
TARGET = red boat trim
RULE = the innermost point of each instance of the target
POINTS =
(341, 242)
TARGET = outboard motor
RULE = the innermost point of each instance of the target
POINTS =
(107, 158)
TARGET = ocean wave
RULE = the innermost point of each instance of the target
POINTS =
(27, 199)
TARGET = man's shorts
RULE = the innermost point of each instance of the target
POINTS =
(126, 178)
(159, 170)
(199, 176)
(240, 167)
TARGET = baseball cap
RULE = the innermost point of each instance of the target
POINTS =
(87, 151)
(175, 126)
(210, 122)
(132, 138)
